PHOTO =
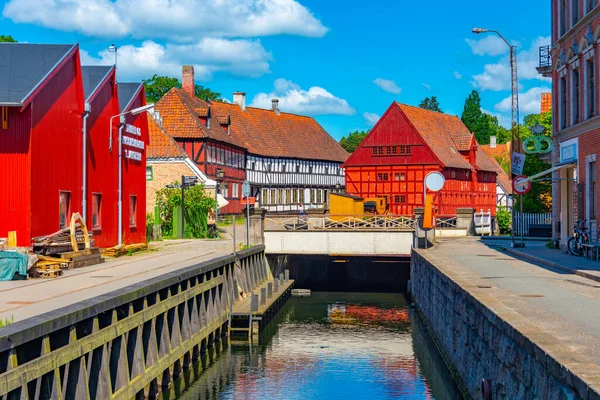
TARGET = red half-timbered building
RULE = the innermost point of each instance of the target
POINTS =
(205, 138)
(409, 142)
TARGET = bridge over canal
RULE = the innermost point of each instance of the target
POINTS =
(340, 235)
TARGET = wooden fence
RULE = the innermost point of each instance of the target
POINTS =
(523, 222)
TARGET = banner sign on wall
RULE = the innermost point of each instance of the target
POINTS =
(518, 161)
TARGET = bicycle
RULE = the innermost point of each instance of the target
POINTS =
(580, 237)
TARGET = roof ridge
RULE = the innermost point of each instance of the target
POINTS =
(265, 109)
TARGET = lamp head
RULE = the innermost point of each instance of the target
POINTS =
(112, 48)
(479, 30)
(141, 109)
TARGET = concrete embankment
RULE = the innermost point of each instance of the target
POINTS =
(486, 327)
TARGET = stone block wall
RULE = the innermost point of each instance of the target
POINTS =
(478, 342)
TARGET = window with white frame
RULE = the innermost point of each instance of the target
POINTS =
(575, 106)
(264, 196)
(589, 5)
(562, 102)
(235, 190)
(574, 12)
(590, 88)
(593, 190)
(562, 15)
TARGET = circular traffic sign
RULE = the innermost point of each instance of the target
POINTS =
(519, 186)
(434, 181)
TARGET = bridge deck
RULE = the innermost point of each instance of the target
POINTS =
(242, 307)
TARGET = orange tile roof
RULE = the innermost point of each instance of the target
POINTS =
(181, 115)
(502, 151)
(546, 104)
(502, 179)
(271, 134)
(162, 145)
(446, 136)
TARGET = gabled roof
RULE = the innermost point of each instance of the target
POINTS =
(270, 134)
(181, 115)
(24, 67)
(161, 145)
(127, 92)
(447, 137)
(93, 76)
(502, 179)
(441, 132)
(502, 150)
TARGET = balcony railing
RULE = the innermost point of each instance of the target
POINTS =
(545, 64)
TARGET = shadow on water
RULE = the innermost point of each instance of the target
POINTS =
(328, 345)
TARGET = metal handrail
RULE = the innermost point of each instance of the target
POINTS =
(446, 222)
(545, 57)
(340, 222)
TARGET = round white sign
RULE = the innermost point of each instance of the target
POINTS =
(434, 181)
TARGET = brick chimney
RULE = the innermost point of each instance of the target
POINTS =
(546, 104)
(187, 80)
(275, 105)
(492, 142)
(239, 98)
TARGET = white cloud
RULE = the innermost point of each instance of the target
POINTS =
(388, 85)
(371, 118)
(490, 45)
(181, 20)
(427, 86)
(240, 57)
(457, 75)
(529, 102)
(497, 76)
(314, 101)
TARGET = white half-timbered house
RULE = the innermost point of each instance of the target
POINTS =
(292, 163)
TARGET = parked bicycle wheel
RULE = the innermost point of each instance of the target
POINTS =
(574, 247)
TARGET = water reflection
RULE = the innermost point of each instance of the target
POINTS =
(331, 346)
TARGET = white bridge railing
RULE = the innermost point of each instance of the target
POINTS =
(525, 220)
(339, 222)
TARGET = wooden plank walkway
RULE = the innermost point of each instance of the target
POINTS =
(242, 307)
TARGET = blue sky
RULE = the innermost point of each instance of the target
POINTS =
(342, 62)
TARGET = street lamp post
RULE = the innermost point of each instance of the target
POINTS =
(219, 176)
(515, 138)
(135, 111)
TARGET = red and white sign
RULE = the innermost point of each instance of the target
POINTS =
(520, 185)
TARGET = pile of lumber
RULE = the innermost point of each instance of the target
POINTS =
(119, 251)
(60, 241)
(48, 267)
(83, 258)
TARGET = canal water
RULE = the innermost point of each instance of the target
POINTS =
(330, 346)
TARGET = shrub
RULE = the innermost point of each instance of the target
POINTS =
(503, 218)
(197, 206)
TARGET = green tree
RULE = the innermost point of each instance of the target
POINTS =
(431, 104)
(7, 38)
(157, 86)
(481, 124)
(353, 140)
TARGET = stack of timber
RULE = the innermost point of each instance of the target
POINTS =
(119, 251)
(72, 246)
(48, 267)
(60, 241)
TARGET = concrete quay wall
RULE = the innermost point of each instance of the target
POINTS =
(480, 337)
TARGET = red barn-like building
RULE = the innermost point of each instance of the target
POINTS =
(40, 138)
(409, 142)
(48, 103)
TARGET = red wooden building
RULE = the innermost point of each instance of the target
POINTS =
(106, 99)
(206, 139)
(409, 142)
(49, 103)
(40, 138)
